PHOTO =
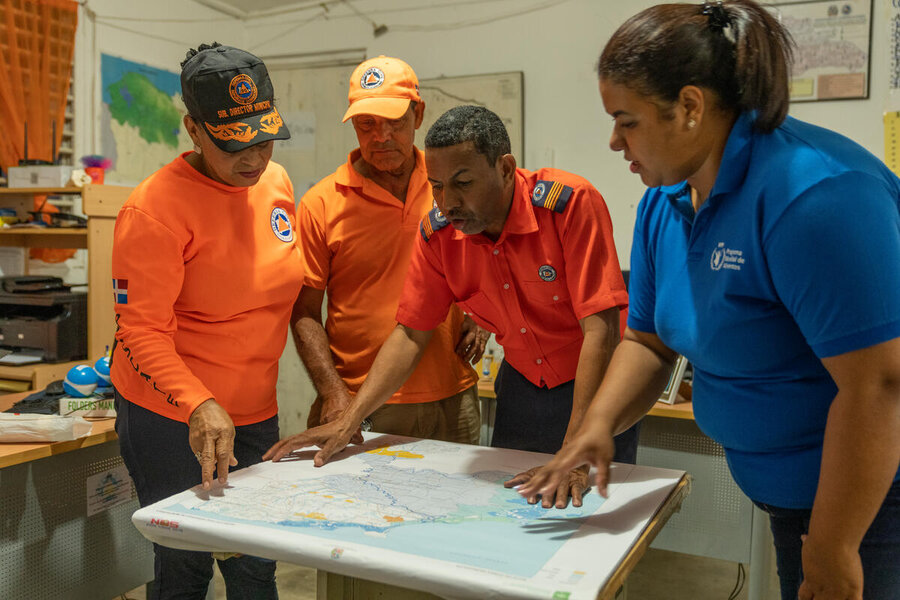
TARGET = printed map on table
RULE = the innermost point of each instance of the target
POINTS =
(411, 502)
(407, 511)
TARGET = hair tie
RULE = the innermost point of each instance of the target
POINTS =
(717, 15)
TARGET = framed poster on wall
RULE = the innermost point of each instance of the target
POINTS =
(833, 37)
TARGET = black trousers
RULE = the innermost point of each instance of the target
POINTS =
(535, 418)
(161, 463)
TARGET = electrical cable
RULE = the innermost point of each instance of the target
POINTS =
(482, 21)
(518, 12)
(291, 28)
(99, 20)
(739, 583)
(152, 20)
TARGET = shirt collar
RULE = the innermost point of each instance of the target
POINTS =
(736, 157)
(520, 219)
(679, 196)
(732, 169)
(347, 176)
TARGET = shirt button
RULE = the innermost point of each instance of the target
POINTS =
(556, 297)
(505, 286)
(522, 330)
(496, 252)
(538, 361)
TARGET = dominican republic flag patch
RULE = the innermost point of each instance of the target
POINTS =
(120, 291)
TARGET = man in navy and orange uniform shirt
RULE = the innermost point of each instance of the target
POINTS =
(530, 257)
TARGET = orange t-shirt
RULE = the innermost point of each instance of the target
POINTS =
(205, 276)
(357, 240)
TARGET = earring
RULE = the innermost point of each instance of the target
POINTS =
(197, 149)
(691, 123)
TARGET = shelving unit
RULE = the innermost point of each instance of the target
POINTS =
(101, 204)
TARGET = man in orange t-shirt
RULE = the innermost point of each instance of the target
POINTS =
(358, 227)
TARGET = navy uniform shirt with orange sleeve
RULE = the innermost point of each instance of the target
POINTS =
(553, 264)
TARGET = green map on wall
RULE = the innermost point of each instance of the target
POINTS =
(141, 128)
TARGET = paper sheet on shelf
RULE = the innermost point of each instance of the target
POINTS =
(20, 359)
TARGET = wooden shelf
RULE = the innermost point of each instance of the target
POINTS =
(682, 410)
(44, 237)
(38, 373)
(38, 191)
(79, 231)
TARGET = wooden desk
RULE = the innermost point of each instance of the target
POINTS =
(51, 548)
(14, 454)
(682, 410)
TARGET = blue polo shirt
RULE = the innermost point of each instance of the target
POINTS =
(794, 257)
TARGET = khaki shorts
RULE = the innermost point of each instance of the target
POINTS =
(453, 419)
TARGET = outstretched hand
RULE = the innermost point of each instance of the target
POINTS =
(331, 438)
(211, 436)
(587, 447)
(574, 485)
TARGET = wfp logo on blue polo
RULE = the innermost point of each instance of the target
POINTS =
(281, 225)
(726, 258)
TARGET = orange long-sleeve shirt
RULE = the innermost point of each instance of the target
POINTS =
(205, 276)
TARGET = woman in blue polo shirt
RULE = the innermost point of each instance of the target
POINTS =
(767, 251)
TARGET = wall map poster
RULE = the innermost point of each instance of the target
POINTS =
(833, 46)
(141, 113)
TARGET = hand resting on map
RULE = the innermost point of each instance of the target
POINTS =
(331, 438)
(575, 484)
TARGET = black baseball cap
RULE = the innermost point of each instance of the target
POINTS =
(229, 91)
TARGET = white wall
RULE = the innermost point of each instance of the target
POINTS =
(154, 33)
(556, 48)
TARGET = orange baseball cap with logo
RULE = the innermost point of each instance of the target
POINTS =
(383, 87)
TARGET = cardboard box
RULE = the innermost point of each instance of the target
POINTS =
(91, 406)
(39, 176)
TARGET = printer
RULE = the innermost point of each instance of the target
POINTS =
(42, 317)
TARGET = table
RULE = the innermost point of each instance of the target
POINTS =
(331, 586)
(427, 515)
(717, 520)
(50, 547)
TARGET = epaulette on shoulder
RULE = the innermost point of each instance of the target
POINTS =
(551, 195)
(433, 221)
